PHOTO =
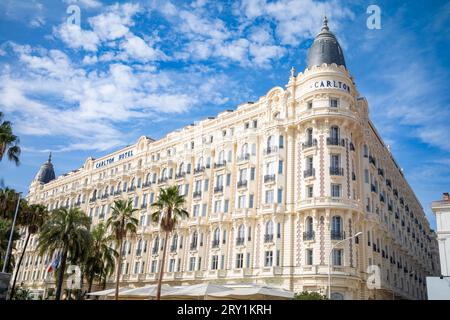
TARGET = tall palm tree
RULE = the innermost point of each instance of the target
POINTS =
(32, 218)
(67, 233)
(121, 223)
(8, 142)
(169, 211)
(101, 258)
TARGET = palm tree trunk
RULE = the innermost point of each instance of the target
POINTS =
(18, 266)
(62, 270)
(161, 267)
(91, 280)
(119, 265)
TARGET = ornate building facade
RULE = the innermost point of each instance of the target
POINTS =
(270, 188)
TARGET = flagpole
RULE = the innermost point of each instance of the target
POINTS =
(11, 235)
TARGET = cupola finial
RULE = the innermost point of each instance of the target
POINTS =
(325, 24)
(50, 157)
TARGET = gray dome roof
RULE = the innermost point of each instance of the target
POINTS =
(325, 48)
(46, 172)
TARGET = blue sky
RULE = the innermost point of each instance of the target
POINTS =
(149, 67)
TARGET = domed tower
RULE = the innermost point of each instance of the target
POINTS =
(325, 48)
(46, 173)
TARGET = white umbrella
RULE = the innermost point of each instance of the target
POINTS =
(146, 291)
(106, 292)
(201, 290)
(254, 292)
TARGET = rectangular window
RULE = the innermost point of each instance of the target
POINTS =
(309, 163)
(268, 258)
(280, 167)
(335, 161)
(206, 183)
(196, 210)
(280, 195)
(217, 205)
(309, 191)
(241, 202)
(239, 260)
(204, 209)
(269, 196)
(228, 179)
(255, 123)
(252, 173)
(309, 105)
(192, 264)
(250, 201)
(337, 257)
(225, 205)
(214, 262)
(334, 103)
(278, 230)
(281, 142)
(249, 234)
(309, 257)
(172, 265)
(335, 190)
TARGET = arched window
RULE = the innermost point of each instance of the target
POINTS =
(163, 173)
(132, 183)
(309, 225)
(269, 227)
(148, 178)
(155, 245)
(221, 156)
(194, 240)
(309, 136)
(270, 142)
(241, 232)
(244, 150)
(94, 194)
(334, 132)
(200, 163)
(216, 238)
(118, 187)
(181, 168)
(336, 227)
(174, 242)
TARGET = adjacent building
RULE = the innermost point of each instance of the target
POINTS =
(270, 187)
(442, 211)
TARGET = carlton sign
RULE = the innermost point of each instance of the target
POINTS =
(116, 158)
(329, 84)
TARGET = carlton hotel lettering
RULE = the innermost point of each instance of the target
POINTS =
(114, 159)
(271, 189)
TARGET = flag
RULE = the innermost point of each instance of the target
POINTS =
(54, 264)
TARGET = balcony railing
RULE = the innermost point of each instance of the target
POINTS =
(270, 150)
(311, 172)
(269, 177)
(180, 175)
(173, 248)
(215, 243)
(240, 241)
(92, 199)
(242, 183)
(244, 157)
(218, 189)
(199, 169)
(309, 144)
(308, 235)
(146, 184)
(196, 194)
(331, 141)
(163, 180)
(193, 246)
(337, 235)
(219, 164)
(268, 237)
(336, 171)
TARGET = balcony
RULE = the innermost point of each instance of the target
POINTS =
(309, 144)
(242, 184)
(193, 246)
(240, 241)
(215, 243)
(336, 171)
(331, 141)
(220, 164)
(311, 172)
(308, 235)
(196, 194)
(118, 192)
(180, 175)
(173, 248)
(218, 189)
(92, 199)
(199, 169)
(163, 180)
(337, 235)
(244, 157)
(270, 150)
(131, 189)
(269, 177)
(268, 238)
(146, 184)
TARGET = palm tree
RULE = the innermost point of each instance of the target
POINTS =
(121, 223)
(32, 218)
(8, 142)
(169, 210)
(8, 202)
(101, 258)
(67, 233)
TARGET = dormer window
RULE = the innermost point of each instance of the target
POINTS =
(309, 105)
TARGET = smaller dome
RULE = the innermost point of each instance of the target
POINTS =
(325, 48)
(46, 172)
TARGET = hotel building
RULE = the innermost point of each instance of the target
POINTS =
(270, 188)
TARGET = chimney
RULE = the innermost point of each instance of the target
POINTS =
(445, 196)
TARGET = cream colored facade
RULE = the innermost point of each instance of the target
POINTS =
(270, 187)
(442, 211)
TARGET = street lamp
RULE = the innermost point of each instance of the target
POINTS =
(329, 261)
(5, 264)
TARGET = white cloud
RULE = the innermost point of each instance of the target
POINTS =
(37, 22)
(75, 37)
(137, 48)
(91, 4)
